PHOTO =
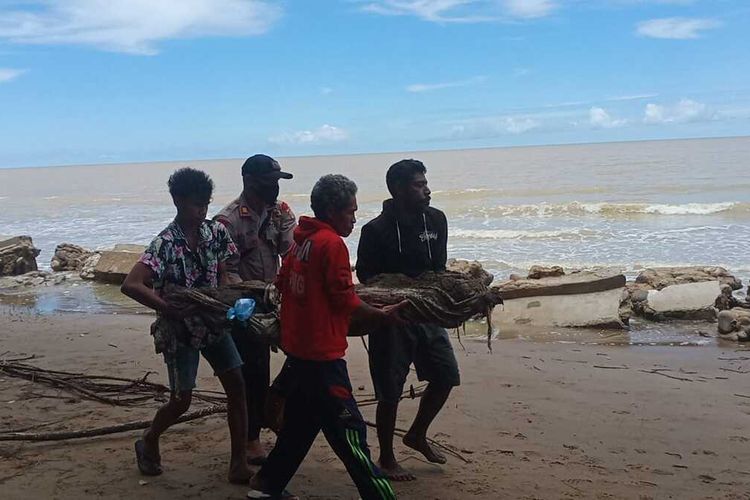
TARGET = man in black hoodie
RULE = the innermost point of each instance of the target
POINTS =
(408, 237)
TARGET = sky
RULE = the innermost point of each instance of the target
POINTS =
(103, 81)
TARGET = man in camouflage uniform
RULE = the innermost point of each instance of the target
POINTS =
(261, 227)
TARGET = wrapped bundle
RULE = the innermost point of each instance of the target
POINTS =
(212, 304)
(447, 299)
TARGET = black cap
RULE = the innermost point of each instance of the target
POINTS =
(264, 166)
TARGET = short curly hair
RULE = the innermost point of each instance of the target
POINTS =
(331, 192)
(191, 183)
(402, 172)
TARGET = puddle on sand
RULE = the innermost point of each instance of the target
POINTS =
(77, 296)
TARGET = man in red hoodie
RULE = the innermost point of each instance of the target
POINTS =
(318, 302)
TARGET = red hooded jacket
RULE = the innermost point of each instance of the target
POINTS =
(317, 293)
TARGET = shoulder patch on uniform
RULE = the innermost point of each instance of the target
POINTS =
(244, 211)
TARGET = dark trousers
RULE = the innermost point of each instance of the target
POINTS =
(319, 397)
(256, 370)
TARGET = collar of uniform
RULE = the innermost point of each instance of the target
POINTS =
(246, 211)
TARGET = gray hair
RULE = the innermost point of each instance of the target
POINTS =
(332, 192)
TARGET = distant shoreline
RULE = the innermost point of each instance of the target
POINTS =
(416, 152)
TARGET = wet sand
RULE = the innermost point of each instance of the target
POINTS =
(536, 420)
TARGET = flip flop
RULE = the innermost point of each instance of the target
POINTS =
(285, 495)
(258, 461)
(147, 466)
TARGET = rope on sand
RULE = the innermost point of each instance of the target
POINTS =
(86, 386)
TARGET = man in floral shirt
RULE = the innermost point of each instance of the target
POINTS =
(191, 252)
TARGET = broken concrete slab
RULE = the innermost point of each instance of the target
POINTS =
(17, 255)
(129, 247)
(570, 284)
(684, 301)
(113, 266)
(662, 277)
(584, 299)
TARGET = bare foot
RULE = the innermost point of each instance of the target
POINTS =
(256, 454)
(239, 473)
(395, 472)
(151, 447)
(423, 447)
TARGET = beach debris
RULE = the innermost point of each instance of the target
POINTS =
(17, 255)
(139, 391)
(88, 266)
(734, 324)
(539, 272)
(733, 370)
(726, 300)
(69, 257)
(658, 278)
(660, 371)
(114, 265)
(116, 391)
(106, 430)
(584, 299)
(681, 301)
(606, 367)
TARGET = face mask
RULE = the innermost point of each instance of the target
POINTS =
(269, 194)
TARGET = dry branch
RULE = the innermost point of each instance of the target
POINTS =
(103, 431)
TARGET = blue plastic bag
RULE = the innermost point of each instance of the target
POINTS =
(242, 311)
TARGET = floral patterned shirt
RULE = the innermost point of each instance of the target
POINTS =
(173, 262)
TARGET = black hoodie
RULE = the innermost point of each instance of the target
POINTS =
(408, 245)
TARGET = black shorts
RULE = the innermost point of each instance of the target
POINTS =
(393, 350)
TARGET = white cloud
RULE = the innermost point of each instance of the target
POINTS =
(675, 28)
(133, 26)
(427, 87)
(686, 110)
(463, 11)
(487, 127)
(634, 97)
(8, 74)
(516, 125)
(529, 9)
(598, 117)
(323, 134)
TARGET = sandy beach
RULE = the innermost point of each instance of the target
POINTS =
(536, 420)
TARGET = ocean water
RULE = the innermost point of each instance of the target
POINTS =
(626, 205)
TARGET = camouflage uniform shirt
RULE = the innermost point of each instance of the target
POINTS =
(261, 239)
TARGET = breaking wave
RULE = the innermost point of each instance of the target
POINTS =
(616, 209)
(510, 234)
